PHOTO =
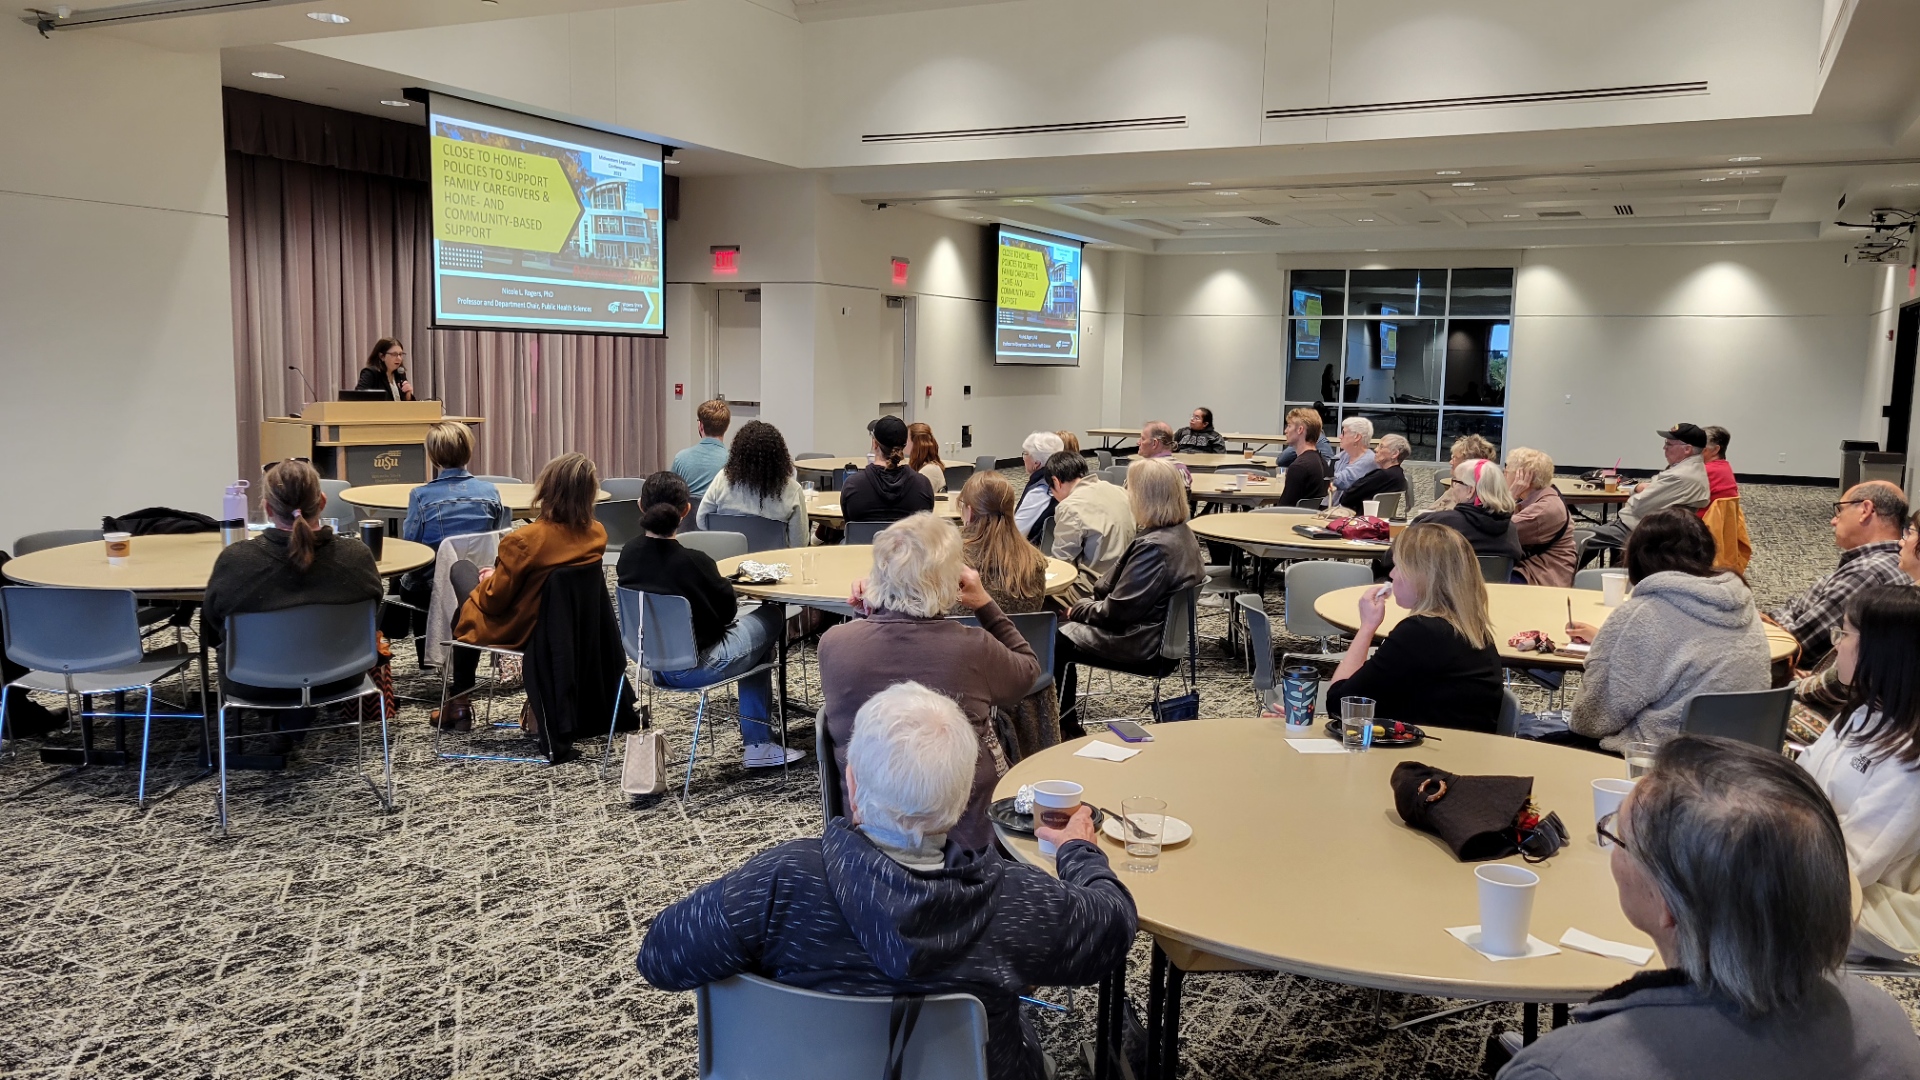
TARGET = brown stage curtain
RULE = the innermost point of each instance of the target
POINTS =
(329, 236)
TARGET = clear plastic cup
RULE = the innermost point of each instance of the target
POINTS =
(1356, 724)
(1143, 822)
(1639, 757)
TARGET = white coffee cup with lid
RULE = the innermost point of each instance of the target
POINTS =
(1054, 802)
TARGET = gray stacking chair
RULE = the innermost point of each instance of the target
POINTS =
(338, 507)
(657, 632)
(1037, 627)
(1103, 458)
(1115, 474)
(1178, 642)
(54, 538)
(763, 534)
(957, 476)
(719, 545)
(1496, 569)
(833, 800)
(1755, 716)
(832, 1036)
(1259, 644)
(1509, 721)
(1390, 503)
(1306, 582)
(1590, 577)
(986, 463)
(298, 649)
(620, 514)
(1581, 538)
(863, 532)
(80, 642)
(465, 577)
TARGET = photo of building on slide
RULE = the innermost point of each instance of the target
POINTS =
(610, 221)
(1038, 316)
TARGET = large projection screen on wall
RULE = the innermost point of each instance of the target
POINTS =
(1037, 313)
(543, 225)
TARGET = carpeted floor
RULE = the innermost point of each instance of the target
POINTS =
(488, 926)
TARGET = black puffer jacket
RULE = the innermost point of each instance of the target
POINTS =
(1488, 532)
(1124, 619)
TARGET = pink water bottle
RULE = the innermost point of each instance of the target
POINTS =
(233, 507)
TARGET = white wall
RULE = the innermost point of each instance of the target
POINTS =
(114, 291)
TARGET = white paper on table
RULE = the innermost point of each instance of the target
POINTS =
(1105, 751)
(1470, 937)
(1317, 746)
(1574, 646)
(1636, 955)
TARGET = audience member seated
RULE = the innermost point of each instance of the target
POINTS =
(887, 489)
(1324, 445)
(502, 609)
(923, 456)
(700, 463)
(1356, 458)
(1819, 695)
(1123, 621)
(758, 481)
(885, 902)
(918, 576)
(1867, 525)
(658, 563)
(1036, 499)
(453, 503)
(1682, 483)
(1387, 475)
(1869, 765)
(1720, 481)
(1306, 473)
(1156, 443)
(1541, 519)
(292, 564)
(1440, 666)
(1014, 573)
(1464, 448)
(1482, 510)
(1092, 520)
(1199, 436)
(1730, 859)
(1686, 629)
(1069, 441)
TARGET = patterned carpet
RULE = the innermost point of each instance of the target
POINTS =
(488, 926)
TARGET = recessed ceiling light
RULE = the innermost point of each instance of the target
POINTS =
(1226, 193)
(328, 17)
(268, 75)
(1199, 183)
(1365, 220)
(1743, 172)
(985, 191)
(1448, 172)
(1509, 215)
(1910, 183)
(1711, 209)
(1463, 183)
(1745, 157)
(670, 161)
(1587, 166)
(1373, 249)
(1711, 179)
(1129, 202)
(396, 103)
(1023, 202)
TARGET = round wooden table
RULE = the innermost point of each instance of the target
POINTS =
(1515, 608)
(167, 567)
(1298, 862)
(825, 506)
(837, 567)
(1233, 489)
(1262, 533)
(831, 464)
(391, 499)
(1210, 462)
(1578, 492)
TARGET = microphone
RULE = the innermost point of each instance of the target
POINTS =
(400, 376)
(312, 394)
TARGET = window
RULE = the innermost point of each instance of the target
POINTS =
(1422, 353)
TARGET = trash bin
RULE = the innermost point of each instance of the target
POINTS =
(1880, 466)
(1851, 451)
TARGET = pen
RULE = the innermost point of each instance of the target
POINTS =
(1569, 611)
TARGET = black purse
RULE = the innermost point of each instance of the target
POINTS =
(1478, 817)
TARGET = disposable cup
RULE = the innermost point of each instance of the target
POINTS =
(1371, 507)
(1613, 588)
(119, 548)
(1608, 794)
(1506, 907)
(1054, 802)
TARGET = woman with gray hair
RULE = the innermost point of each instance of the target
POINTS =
(1730, 858)
(1541, 518)
(918, 577)
(1387, 475)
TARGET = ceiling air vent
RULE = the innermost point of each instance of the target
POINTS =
(1623, 209)
(1085, 127)
(1559, 214)
(1547, 97)
(1265, 221)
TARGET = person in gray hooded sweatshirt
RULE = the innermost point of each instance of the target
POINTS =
(1686, 630)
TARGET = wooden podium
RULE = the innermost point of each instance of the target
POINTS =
(361, 442)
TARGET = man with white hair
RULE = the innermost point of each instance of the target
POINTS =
(1036, 499)
(1356, 458)
(882, 904)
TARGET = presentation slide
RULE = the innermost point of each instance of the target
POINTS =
(1037, 317)
(540, 225)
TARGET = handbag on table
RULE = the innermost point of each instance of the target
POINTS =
(1477, 817)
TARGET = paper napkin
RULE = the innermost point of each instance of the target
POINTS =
(1317, 746)
(1470, 937)
(1105, 751)
(1619, 950)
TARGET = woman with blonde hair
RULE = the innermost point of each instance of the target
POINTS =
(923, 456)
(1482, 510)
(1122, 623)
(1440, 665)
(1069, 441)
(1014, 573)
(1541, 520)
(502, 609)
(918, 576)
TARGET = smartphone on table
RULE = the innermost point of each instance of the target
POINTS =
(1129, 731)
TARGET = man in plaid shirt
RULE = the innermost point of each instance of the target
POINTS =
(1867, 523)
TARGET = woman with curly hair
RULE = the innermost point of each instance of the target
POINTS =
(758, 482)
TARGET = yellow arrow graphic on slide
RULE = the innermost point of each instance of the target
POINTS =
(506, 198)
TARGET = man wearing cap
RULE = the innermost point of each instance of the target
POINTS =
(1682, 483)
(886, 490)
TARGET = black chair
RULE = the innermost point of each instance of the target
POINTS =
(957, 477)
(1754, 716)
(833, 799)
(1496, 569)
(863, 532)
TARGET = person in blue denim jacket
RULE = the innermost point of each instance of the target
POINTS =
(453, 503)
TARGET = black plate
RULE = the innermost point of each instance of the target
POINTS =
(1415, 739)
(1002, 814)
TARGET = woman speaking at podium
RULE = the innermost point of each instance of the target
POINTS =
(386, 371)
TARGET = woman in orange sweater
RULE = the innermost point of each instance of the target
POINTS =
(502, 609)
